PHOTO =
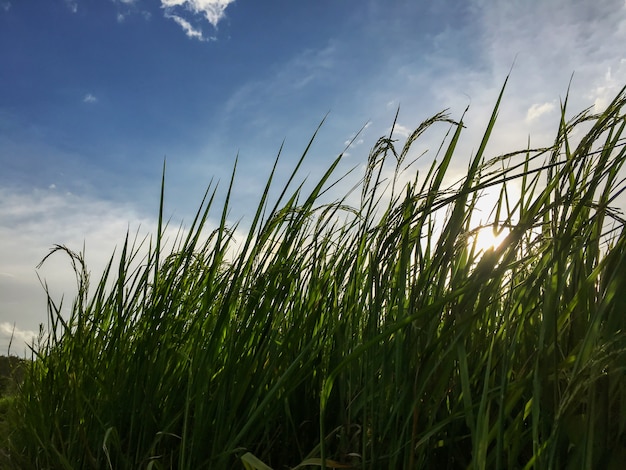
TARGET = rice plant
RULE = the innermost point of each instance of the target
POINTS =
(371, 335)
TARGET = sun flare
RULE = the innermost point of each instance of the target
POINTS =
(487, 238)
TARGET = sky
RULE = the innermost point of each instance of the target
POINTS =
(96, 94)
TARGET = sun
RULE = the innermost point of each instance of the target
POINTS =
(491, 217)
(486, 238)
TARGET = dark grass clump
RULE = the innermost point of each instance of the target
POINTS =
(377, 335)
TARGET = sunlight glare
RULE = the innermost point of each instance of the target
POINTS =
(486, 239)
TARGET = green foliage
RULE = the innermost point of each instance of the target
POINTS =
(11, 376)
(357, 337)
(11, 373)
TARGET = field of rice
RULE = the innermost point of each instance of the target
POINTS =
(373, 335)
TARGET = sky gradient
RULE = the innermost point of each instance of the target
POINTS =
(94, 94)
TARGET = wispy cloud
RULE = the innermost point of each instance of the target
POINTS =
(212, 10)
(190, 31)
(89, 98)
(605, 90)
(554, 38)
(127, 8)
(6, 6)
(72, 5)
(355, 140)
(539, 109)
(308, 67)
(125, 2)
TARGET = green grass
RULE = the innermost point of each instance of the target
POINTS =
(358, 335)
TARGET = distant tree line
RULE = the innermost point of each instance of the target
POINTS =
(11, 373)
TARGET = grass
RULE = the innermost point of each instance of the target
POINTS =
(357, 336)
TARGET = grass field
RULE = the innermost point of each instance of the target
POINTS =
(370, 335)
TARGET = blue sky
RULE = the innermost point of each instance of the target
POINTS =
(94, 94)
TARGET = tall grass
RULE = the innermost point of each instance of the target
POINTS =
(360, 336)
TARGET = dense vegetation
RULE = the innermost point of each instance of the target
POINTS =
(11, 373)
(372, 335)
(11, 376)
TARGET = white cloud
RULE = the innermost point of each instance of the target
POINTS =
(10, 333)
(539, 109)
(213, 10)
(190, 31)
(6, 6)
(400, 130)
(89, 98)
